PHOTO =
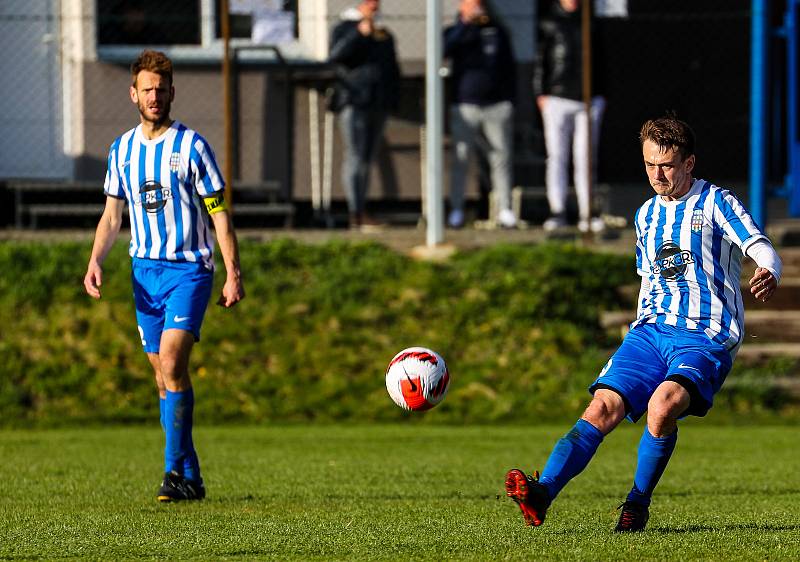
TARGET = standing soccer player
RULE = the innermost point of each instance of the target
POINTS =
(691, 237)
(170, 180)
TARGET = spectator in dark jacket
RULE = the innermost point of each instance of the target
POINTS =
(369, 79)
(558, 88)
(481, 115)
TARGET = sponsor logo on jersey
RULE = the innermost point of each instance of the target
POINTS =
(697, 220)
(671, 262)
(175, 161)
(153, 196)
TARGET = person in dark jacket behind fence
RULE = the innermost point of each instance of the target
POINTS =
(558, 89)
(365, 93)
(481, 116)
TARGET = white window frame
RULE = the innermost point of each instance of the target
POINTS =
(210, 49)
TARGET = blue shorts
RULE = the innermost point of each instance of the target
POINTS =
(169, 295)
(653, 353)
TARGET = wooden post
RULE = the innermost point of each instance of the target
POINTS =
(227, 100)
(586, 39)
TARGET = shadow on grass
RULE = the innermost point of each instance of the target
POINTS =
(711, 528)
(267, 498)
(732, 492)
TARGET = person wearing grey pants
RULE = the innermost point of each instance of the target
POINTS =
(490, 129)
(483, 78)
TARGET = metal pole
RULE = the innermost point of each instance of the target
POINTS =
(586, 39)
(313, 145)
(434, 118)
(327, 171)
(792, 43)
(227, 97)
(758, 110)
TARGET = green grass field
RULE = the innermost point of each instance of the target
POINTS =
(391, 492)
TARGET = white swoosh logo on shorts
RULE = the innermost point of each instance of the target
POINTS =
(180, 318)
(685, 366)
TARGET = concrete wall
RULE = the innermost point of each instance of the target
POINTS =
(264, 111)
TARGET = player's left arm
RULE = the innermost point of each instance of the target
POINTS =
(739, 225)
(233, 290)
(210, 186)
(767, 275)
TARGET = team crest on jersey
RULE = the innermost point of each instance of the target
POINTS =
(671, 262)
(175, 161)
(153, 196)
(697, 220)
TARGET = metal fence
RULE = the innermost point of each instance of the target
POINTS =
(66, 79)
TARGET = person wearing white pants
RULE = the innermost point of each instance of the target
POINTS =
(558, 89)
(565, 135)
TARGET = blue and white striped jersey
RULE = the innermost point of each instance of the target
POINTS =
(689, 254)
(164, 181)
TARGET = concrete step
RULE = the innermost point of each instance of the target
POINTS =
(790, 256)
(788, 388)
(773, 326)
(762, 326)
(784, 232)
(754, 352)
(787, 297)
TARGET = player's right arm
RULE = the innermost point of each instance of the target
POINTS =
(107, 230)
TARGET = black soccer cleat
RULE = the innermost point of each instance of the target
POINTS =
(633, 518)
(531, 496)
(175, 487)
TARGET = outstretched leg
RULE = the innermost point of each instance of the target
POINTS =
(570, 456)
(573, 452)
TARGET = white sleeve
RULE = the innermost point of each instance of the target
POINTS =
(762, 252)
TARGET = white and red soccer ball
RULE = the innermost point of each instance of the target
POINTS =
(417, 379)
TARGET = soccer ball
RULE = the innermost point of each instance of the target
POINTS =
(417, 379)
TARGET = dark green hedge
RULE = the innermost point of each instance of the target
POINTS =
(518, 326)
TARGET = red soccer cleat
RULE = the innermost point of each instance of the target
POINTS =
(530, 495)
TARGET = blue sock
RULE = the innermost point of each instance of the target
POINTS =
(570, 456)
(162, 407)
(179, 454)
(654, 454)
(191, 464)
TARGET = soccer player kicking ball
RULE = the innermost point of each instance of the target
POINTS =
(690, 323)
(167, 174)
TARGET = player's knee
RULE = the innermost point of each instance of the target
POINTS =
(661, 426)
(173, 369)
(660, 422)
(663, 414)
(605, 411)
(668, 402)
